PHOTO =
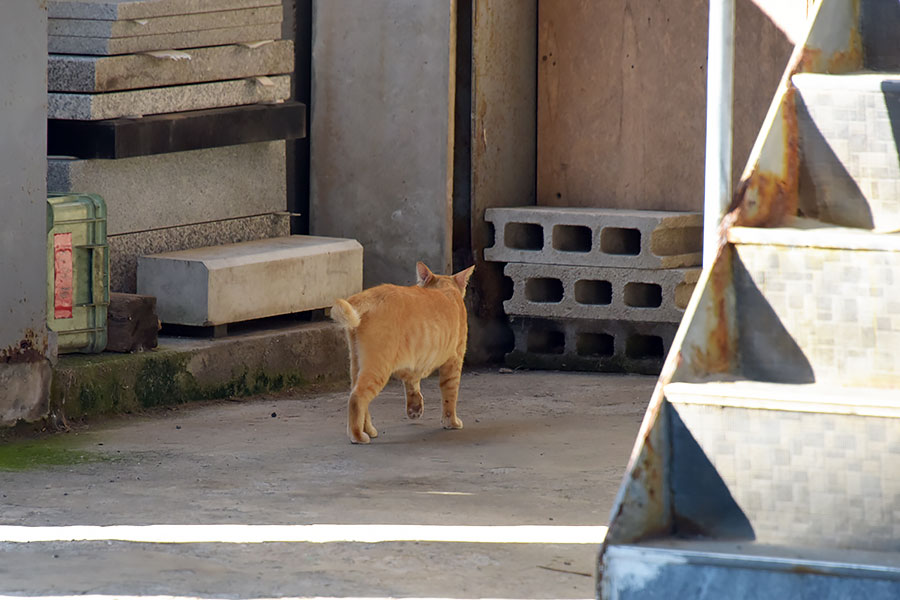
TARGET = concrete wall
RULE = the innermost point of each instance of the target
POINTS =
(381, 131)
(24, 368)
(621, 98)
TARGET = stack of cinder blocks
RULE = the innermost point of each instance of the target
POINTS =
(595, 289)
(174, 112)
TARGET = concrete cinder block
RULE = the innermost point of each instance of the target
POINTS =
(589, 345)
(595, 237)
(124, 249)
(113, 10)
(567, 292)
(93, 74)
(67, 44)
(217, 285)
(170, 24)
(153, 101)
(167, 190)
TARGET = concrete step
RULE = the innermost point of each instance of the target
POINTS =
(590, 345)
(814, 464)
(848, 127)
(632, 239)
(817, 303)
(567, 292)
(704, 570)
(218, 285)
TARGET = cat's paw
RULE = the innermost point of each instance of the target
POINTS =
(362, 438)
(415, 411)
(451, 422)
(371, 431)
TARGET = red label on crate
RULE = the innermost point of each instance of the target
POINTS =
(62, 276)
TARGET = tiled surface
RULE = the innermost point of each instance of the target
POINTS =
(590, 345)
(806, 478)
(635, 239)
(847, 127)
(568, 292)
(838, 312)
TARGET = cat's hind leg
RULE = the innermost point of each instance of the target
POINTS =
(368, 385)
(415, 403)
(450, 373)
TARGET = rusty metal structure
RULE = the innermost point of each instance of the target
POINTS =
(768, 461)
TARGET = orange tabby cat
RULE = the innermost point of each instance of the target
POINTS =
(405, 332)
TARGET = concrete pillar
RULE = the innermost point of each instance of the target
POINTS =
(381, 135)
(24, 348)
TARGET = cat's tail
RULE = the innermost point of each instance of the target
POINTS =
(345, 314)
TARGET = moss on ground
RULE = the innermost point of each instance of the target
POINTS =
(47, 452)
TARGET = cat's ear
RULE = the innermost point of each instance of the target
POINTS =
(462, 278)
(424, 276)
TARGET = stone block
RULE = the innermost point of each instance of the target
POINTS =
(93, 74)
(590, 345)
(170, 24)
(846, 125)
(224, 284)
(112, 105)
(566, 292)
(67, 44)
(114, 10)
(167, 190)
(595, 237)
(124, 249)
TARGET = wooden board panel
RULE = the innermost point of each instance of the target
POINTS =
(621, 99)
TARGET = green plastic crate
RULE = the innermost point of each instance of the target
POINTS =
(77, 271)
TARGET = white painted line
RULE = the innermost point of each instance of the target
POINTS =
(315, 534)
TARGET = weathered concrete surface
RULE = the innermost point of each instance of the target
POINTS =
(382, 134)
(228, 283)
(181, 188)
(112, 10)
(539, 448)
(24, 369)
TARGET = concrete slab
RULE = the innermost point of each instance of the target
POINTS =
(167, 190)
(112, 105)
(590, 345)
(61, 44)
(159, 25)
(74, 73)
(548, 449)
(635, 239)
(251, 280)
(565, 292)
(124, 249)
(113, 10)
(367, 148)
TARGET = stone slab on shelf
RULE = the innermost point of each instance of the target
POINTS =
(112, 105)
(94, 74)
(66, 44)
(177, 132)
(252, 280)
(161, 25)
(115, 10)
(124, 249)
(167, 190)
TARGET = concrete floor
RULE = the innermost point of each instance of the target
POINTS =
(538, 448)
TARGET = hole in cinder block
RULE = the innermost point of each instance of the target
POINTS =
(546, 341)
(643, 295)
(620, 240)
(670, 242)
(508, 288)
(595, 344)
(644, 346)
(544, 289)
(572, 238)
(593, 291)
(524, 236)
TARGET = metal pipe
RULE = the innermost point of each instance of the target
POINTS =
(719, 121)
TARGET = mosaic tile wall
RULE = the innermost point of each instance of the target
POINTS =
(806, 478)
(812, 314)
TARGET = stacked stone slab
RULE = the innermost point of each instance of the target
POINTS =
(125, 59)
(595, 289)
